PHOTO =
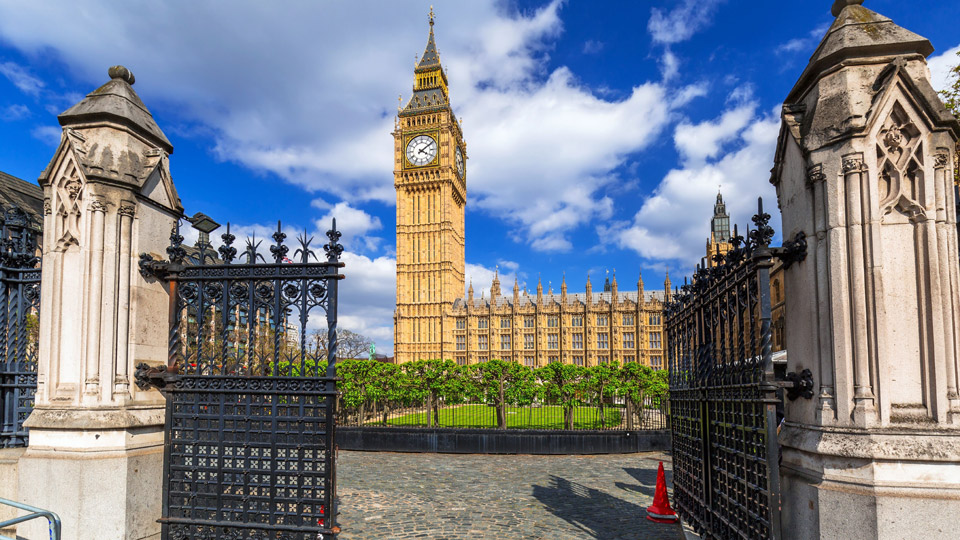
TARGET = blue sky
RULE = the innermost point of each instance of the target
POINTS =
(598, 132)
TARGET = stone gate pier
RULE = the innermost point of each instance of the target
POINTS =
(96, 440)
(864, 170)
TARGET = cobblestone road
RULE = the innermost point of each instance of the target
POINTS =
(447, 496)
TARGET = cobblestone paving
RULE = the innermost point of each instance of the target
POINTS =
(448, 496)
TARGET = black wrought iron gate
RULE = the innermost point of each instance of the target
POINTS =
(723, 402)
(249, 450)
(19, 322)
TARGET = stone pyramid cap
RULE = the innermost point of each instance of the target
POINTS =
(859, 33)
(431, 58)
(118, 102)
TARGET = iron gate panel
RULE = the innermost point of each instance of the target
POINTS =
(19, 322)
(249, 449)
(723, 400)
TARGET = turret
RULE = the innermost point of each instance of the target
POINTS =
(666, 287)
(495, 286)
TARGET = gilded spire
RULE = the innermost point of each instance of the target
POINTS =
(431, 58)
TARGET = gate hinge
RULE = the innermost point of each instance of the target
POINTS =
(147, 376)
(793, 250)
(801, 385)
(150, 267)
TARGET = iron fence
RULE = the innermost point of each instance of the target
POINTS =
(619, 413)
(19, 322)
(723, 393)
(250, 424)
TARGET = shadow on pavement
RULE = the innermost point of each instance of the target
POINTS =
(598, 514)
(648, 481)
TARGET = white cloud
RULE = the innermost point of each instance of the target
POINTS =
(681, 22)
(663, 228)
(14, 112)
(940, 66)
(698, 142)
(805, 44)
(669, 65)
(355, 225)
(592, 46)
(47, 134)
(20, 78)
(300, 93)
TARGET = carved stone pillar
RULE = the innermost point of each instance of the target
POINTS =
(862, 167)
(95, 454)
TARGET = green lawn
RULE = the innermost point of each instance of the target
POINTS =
(484, 416)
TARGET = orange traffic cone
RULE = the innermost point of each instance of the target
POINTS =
(660, 510)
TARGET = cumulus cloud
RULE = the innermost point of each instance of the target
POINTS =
(14, 112)
(47, 134)
(682, 22)
(356, 226)
(740, 145)
(21, 78)
(482, 278)
(940, 66)
(301, 94)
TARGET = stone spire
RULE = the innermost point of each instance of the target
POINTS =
(563, 289)
(613, 284)
(470, 291)
(589, 290)
(666, 287)
(606, 283)
(640, 286)
(539, 290)
(516, 291)
(495, 286)
(430, 90)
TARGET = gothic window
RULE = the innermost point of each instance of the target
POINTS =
(628, 342)
(576, 320)
(601, 320)
(482, 343)
(528, 361)
(528, 322)
(553, 321)
(461, 360)
(578, 360)
(655, 340)
(482, 359)
(553, 359)
(461, 343)
(482, 323)
(776, 291)
(655, 362)
(654, 319)
(629, 359)
(528, 342)
(628, 319)
(505, 342)
(504, 322)
(553, 341)
(578, 341)
(603, 359)
(461, 323)
(603, 341)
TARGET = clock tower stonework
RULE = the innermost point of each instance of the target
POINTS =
(430, 180)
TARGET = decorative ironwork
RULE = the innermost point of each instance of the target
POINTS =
(723, 402)
(250, 407)
(19, 322)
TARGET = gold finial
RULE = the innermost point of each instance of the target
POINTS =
(399, 102)
(431, 18)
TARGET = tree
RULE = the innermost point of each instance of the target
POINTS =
(601, 382)
(437, 380)
(357, 385)
(561, 385)
(951, 98)
(637, 382)
(500, 383)
(349, 344)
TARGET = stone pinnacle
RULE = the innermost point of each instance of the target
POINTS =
(840, 4)
(120, 72)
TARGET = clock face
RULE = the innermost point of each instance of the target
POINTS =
(459, 156)
(421, 150)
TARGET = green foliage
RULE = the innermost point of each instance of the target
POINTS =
(484, 416)
(951, 98)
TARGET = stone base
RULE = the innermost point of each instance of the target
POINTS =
(9, 458)
(104, 480)
(884, 484)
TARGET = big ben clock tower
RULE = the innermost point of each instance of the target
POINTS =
(430, 179)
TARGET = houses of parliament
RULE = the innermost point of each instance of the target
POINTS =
(434, 319)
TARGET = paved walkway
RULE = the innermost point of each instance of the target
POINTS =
(451, 497)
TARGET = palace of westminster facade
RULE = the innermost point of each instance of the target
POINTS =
(434, 320)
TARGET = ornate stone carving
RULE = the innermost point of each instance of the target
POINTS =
(940, 160)
(127, 210)
(815, 174)
(900, 165)
(97, 205)
(69, 194)
(852, 164)
(47, 207)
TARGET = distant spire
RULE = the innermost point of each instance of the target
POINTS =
(495, 286)
(606, 283)
(563, 285)
(539, 286)
(470, 290)
(430, 58)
